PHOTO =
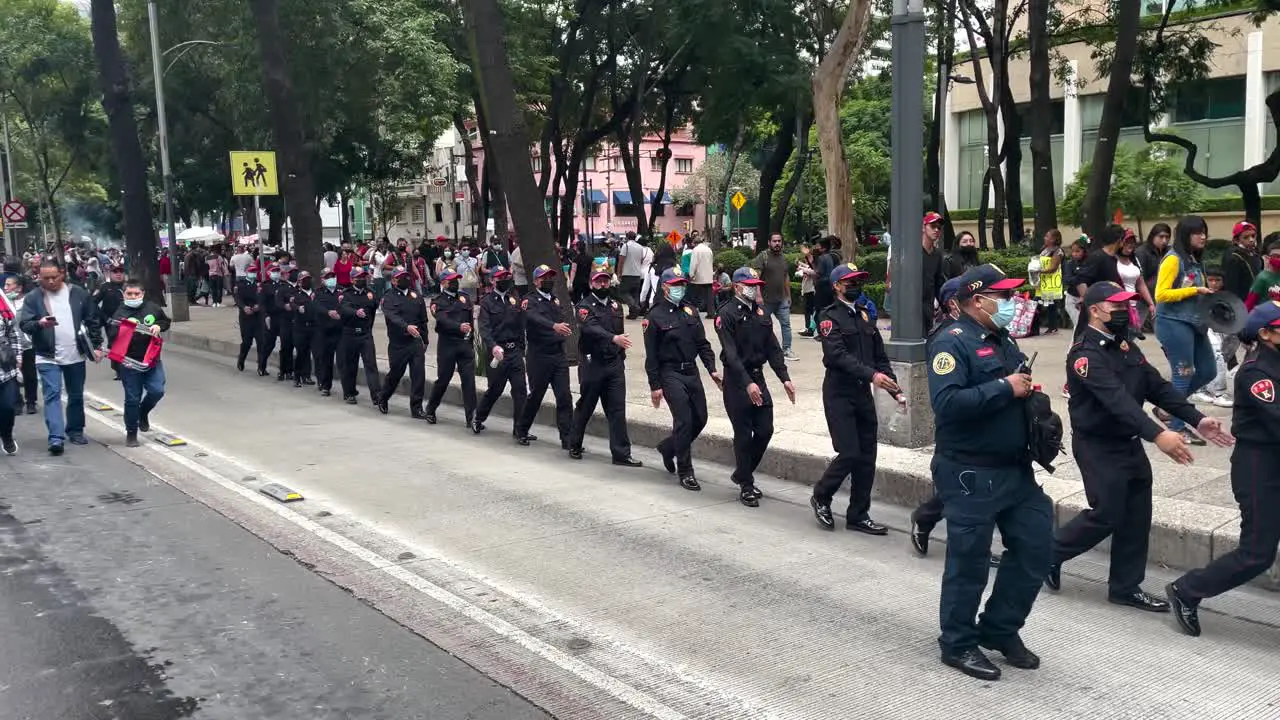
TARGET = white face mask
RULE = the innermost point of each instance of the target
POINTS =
(749, 292)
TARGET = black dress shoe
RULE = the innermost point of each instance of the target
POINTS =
(307, 380)
(430, 417)
(919, 537)
(755, 492)
(477, 427)
(55, 449)
(326, 392)
(1015, 653)
(1185, 612)
(689, 482)
(262, 372)
(1141, 600)
(297, 382)
(575, 453)
(822, 513)
(628, 461)
(350, 400)
(417, 414)
(524, 439)
(31, 408)
(77, 439)
(747, 496)
(668, 460)
(1053, 578)
(868, 526)
(973, 663)
(382, 407)
(240, 365)
(280, 377)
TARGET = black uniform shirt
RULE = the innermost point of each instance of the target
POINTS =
(354, 299)
(747, 342)
(247, 294)
(542, 312)
(1255, 419)
(1109, 381)
(322, 302)
(450, 312)
(501, 321)
(267, 294)
(973, 405)
(404, 308)
(284, 300)
(674, 336)
(301, 302)
(852, 349)
(598, 322)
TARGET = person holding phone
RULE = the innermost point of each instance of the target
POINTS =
(65, 332)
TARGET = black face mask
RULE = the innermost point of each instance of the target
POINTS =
(969, 252)
(546, 286)
(402, 284)
(361, 283)
(852, 292)
(504, 285)
(600, 293)
(305, 284)
(1118, 323)
(452, 286)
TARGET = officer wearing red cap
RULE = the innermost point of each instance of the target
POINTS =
(747, 342)
(546, 329)
(602, 377)
(674, 340)
(406, 315)
(502, 321)
(1109, 380)
(268, 291)
(982, 474)
(247, 294)
(284, 322)
(325, 313)
(357, 307)
(304, 329)
(1255, 475)
(455, 346)
(853, 354)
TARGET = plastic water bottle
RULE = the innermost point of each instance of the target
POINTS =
(899, 419)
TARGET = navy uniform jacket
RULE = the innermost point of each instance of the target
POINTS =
(1255, 420)
(402, 308)
(501, 321)
(674, 336)
(973, 405)
(353, 300)
(747, 342)
(1109, 381)
(598, 321)
(541, 315)
(852, 348)
(451, 313)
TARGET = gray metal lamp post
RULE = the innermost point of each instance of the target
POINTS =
(176, 296)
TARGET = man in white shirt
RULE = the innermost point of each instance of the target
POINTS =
(630, 273)
(518, 274)
(330, 256)
(701, 274)
(240, 261)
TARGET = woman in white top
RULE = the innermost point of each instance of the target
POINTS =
(1131, 275)
(806, 273)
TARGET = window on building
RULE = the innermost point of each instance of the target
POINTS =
(417, 214)
(1156, 7)
(616, 163)
(438, 209)
(536, 161)
(1057, 118)
(1212, 99)
(685, 210)
(589, 162)
(655, 164)
(684, 166)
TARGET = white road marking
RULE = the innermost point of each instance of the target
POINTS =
(620, 690)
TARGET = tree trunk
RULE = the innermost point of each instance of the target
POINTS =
(290, 138)
(1012, 153)
(497, 195)
(346, 219)
(945, 59)
(473, 176)
(784, 143)
(126, 151)
(828, 88)
(657, 208)
(1043, 193)
(803, 122)
(734, 154)
(1094, 206)
(993, 178)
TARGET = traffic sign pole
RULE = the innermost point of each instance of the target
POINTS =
(7, 189)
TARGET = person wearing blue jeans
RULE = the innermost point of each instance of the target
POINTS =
(143, 384)
(1179, 325)
(772, 266)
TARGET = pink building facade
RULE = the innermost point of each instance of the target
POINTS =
(604, 202)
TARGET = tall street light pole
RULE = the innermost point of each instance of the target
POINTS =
(177, 297)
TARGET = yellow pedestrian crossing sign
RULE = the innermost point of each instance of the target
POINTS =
(738, 200)
(253, 172)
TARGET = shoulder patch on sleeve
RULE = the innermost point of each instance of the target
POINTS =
(718, 322)
(1264, 390)
(1081, 366)
(956, 331)
(583, 313)
(824, 327)
(524, 304)
(986, 351)
(943, 363)
(688, 310)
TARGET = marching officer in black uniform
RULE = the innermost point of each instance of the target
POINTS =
(247, 294)
(406, 314)
(982, 474)
(303, 330)
(107, 299)
(546, 329)
(853, 354)
(747, 342)
(285, 290)
(502, 321)
(1255, 475)
(327, 333)
(602, 377)
(271, 312)
(674, 340)
(455, 346)
(357, 309)
(1109, 379)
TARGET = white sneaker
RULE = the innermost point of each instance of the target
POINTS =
(1224, 401)
(1201, 397)
(788, 355)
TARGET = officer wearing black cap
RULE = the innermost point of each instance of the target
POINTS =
(747, 342)
(247, 294)
(853, 354)
(602, 377)
(406, 315)
(546, 329)
(107, 299)
(303, 330)
(455, 348)
(502, 321)
(285, 291)
(1255, 475)
(674, 340)
(982, 474)
(324, 311)
(1109, 379)
(358, 307)
(271, 311)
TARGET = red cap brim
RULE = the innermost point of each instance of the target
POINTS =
(860, 275)
(1125, 296)
(595, 275)
(1007, 284)
(677, 281)
(751, 281)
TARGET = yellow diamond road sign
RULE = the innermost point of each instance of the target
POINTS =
(738, 200)
(253, 172)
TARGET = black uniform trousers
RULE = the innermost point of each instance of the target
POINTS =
(270, 331)
(1255, 481)
(325, 347)
(752, 427)
(1117, 483)
(356, 349)
(250, 333)
(302, 348)
(285, 331)
(604, 382)
(547, 371)
(460, 355)
(852, 424)
(682, 390)
(411, 355)
(510, 370)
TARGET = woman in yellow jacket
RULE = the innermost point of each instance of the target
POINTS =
(1179, 324)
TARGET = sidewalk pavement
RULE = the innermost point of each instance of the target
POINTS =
(1195, 517)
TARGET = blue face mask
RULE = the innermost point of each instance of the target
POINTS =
(676, 293)
(331, 283)
(1005, 310)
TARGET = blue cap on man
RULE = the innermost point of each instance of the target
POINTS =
(984, 279)
(542, 271)
(848, 271)
(1266, 315)
(747, 276)
(673, 276)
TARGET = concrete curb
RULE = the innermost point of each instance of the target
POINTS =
(1183, 534)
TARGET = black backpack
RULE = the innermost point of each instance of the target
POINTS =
(1044, 430)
